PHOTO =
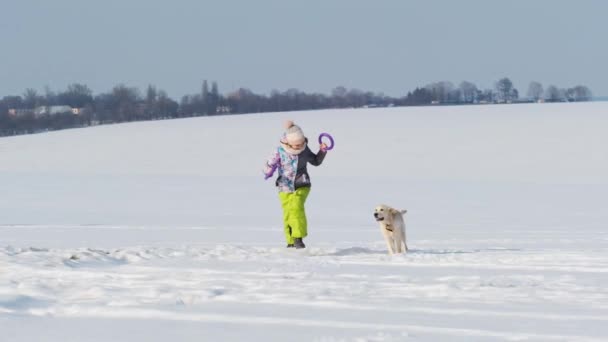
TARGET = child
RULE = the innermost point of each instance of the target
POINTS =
(293, 183)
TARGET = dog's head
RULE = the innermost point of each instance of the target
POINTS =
(384, 213)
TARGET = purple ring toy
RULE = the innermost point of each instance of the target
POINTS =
(331, 140)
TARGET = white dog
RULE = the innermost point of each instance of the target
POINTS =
(392, 226)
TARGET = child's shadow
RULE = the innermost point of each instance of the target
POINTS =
(355, 251)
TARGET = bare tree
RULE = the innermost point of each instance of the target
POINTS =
(535, 91)
(504, 88)
(580, 93)
(31, 99)
(50, 98)
(338, 95)
(205, 98)
(487, 96)
(167, 107)
(356, 98)
(151, 110)
(441, 91)
(554, 94)
(13, 101)
(514, 94)
(125, 103)
(77, 96)
(214, 100)
(468, 91)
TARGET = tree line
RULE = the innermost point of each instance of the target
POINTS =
(77, 106)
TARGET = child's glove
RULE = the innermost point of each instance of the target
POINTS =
(269, 174)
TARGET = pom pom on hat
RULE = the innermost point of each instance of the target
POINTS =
(288, 124)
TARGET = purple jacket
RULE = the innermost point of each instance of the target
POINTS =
(292, 168)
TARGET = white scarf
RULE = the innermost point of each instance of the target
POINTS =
(291, 150)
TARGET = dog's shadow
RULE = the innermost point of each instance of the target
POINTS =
(351, 251)
(463, 251)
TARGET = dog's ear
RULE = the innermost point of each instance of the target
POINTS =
(393, 211)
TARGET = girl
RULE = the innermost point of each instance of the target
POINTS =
(293, 182)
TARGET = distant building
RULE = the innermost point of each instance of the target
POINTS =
(222, 109)
(52, 110)
(19, 111)
(45, 110)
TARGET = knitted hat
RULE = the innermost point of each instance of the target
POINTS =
(293, 134)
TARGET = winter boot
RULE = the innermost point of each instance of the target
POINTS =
(298, 243)
(290, 245)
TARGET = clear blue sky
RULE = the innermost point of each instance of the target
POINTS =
(388, 46)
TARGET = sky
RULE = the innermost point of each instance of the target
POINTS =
(388, 46)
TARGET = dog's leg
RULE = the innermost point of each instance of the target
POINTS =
(405, 237)
(399, 232)
(389, 244)
(398, 242)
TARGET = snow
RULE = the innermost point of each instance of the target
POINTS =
(166, 230)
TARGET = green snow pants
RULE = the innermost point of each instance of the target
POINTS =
(294, 216)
